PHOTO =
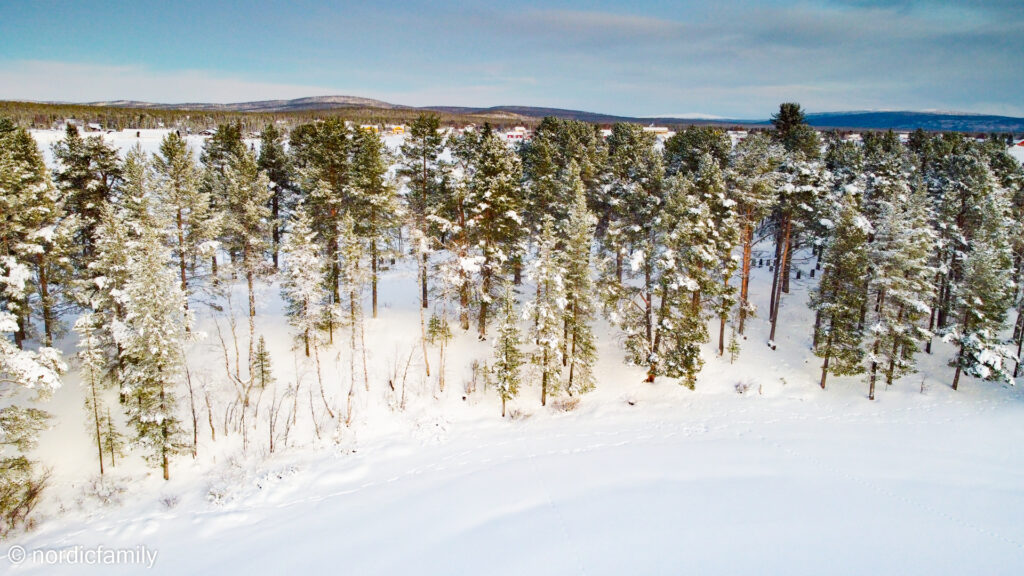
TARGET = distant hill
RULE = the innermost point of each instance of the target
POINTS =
(906, 120)
(310, 103)
(862, 120)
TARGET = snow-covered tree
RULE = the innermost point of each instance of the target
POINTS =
(320, 155)
(246, 225)
(88, 170)
(508, 357)
(494, 225)
(275, 162)
(840, 296)
(684, 150)
(664, 319)
(984, 294)
(302, 284)
(94, 363)
(899, 284)
(580, 351)
(803, 182)
(37, 234)
(752, 181)
(422, 166)
(547, 312)
(372, 201)
(26, 376)
(634, 195)
(182, 202)
(151, 337)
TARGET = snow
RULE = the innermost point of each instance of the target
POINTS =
(783, 478)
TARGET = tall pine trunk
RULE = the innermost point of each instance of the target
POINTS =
(748, 242)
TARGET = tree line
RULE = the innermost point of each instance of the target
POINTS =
(913, 241)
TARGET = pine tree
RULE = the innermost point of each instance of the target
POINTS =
(792, 131)
(23, 371)
(494, 224)
(580, 350)
(303, 283)
(219, 152)
(320, 154)
(981, 298)
(88, 171)
(352, 254)
(689, 264)
(36, 233)
(422, 166)
(246, 225)
(181, 201)
(752, 181)
(508, 357)
(900, 279)
(373, 203)
(262, 367)
(634, 194)
(724, 236)
(684, 150)
(151, 338)
(548, 312)
(840, 295)
(94, 364)
(799, 196)
(275, 162)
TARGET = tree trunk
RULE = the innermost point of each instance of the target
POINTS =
(544, 380)
(775, 270)
(45, 300)
(778, 295)
(373, 268)
(165, 432)
(484, 297)
(275, 213)
(96, 417)
(424, 267)
(181, 256)
(748, 241)
(828, 355)
(723, 316)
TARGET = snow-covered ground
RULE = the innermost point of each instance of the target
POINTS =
(639, 478)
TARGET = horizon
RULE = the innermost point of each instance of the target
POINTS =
(735, 61)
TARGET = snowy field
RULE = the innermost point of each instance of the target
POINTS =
(783, 478)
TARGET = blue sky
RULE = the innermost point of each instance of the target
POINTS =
(643, 58)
